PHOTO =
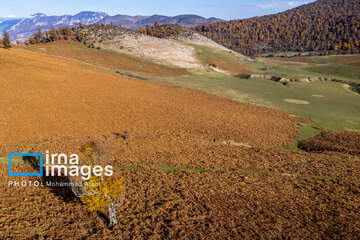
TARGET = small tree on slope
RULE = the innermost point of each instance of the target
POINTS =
(6, 40)
(98, 192)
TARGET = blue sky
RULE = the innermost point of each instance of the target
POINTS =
(225, 9)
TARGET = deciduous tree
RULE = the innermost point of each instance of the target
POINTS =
(99, 192)
(53, 36)
(38, 35)
(31, 41)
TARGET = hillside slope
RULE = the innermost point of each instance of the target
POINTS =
(139, 104)
(195, 165)
(323, 26)
(181, 33)
(173, 51)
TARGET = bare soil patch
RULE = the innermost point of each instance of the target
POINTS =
(347, 86)
(201, 40)
(113, 60)
(229, 65)
(355, 63)
(296, 101)
(353, 60)
(163, 51)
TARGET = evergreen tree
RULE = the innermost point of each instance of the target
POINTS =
(6, 40)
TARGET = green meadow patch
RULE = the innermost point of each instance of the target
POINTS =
(330, 104)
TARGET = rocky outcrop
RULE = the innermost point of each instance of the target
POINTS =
(164, 51)
(355, 86)
(314, 79)
(281, 80)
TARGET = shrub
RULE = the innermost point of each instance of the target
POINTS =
(31, 41)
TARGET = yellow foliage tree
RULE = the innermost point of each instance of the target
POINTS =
(102, 192)
(31, 41)
(97, 192)
(53, 36)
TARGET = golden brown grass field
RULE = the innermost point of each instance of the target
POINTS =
(180, 184)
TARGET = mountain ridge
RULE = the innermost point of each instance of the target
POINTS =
(23, 28)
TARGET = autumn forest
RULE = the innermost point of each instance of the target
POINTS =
(325, 26)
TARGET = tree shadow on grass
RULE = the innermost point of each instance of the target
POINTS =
(58, 185)
(34, 161)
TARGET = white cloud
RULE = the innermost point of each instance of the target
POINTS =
(11, 16)
(269, 5)
(295, 4)
(280, 4)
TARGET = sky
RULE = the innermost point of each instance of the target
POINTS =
(224, 9)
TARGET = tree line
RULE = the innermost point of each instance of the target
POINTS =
(163, 30)
(325, 26)
(75, 33)
(50, 36)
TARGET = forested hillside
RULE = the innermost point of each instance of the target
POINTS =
(325, 26)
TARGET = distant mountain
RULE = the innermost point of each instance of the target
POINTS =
(324, 26)
(133, 22)
(24, 28)
(6, 24)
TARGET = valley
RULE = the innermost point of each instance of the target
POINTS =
(205, 142)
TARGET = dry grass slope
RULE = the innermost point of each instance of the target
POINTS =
(334, 141)
(251, 189)
(191, 205)
(45, 97)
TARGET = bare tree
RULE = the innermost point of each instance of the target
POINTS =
(38, 35)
